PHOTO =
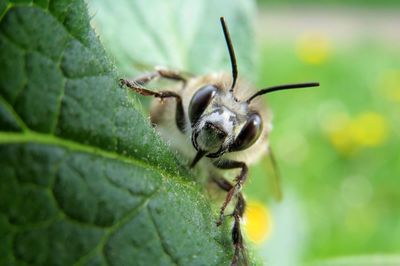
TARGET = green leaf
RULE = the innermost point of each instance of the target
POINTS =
(84, 179)
(179, 34)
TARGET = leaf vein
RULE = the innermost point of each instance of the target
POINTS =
(59, 100)
(17, 118)
(31, 136)
(161, 239)
(129, 215)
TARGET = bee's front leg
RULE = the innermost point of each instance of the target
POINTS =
(237, 214)
(159, 73)
(179, 114)
(239, 180)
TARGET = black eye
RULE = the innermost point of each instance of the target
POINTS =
(199, 102)
(249, 133)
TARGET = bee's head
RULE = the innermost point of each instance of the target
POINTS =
(220, 123)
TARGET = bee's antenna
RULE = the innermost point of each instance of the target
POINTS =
(231, 52)
(283, 87)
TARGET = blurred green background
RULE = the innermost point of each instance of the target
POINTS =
(337, 146)
(344, 3)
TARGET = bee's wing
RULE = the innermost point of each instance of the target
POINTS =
(273, 173)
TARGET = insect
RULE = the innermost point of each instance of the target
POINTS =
(215, 119)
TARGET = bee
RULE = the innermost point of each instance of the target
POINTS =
(216, 117)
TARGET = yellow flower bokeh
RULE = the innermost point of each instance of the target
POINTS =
(313, 48)
(258, 224)
(370, 129)
(349, 135)
(390, 84)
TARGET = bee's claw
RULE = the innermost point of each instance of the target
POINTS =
(221, 219)
(121, 82)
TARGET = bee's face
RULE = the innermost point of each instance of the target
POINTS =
(221, 123)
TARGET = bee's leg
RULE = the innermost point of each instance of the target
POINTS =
(180, 113)
(170, 74)
(237, 239)
(159, 73)
(238, 212)
(239, 180)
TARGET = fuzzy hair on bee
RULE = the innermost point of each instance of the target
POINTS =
(226, 113)
(218, 121)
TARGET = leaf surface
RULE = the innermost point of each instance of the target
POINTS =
(179, 34)
(84, 178)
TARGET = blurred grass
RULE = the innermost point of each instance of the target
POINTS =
(337, 146)
(333, 2)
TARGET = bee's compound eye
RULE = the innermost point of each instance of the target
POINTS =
(199, 102)
(249, 133)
